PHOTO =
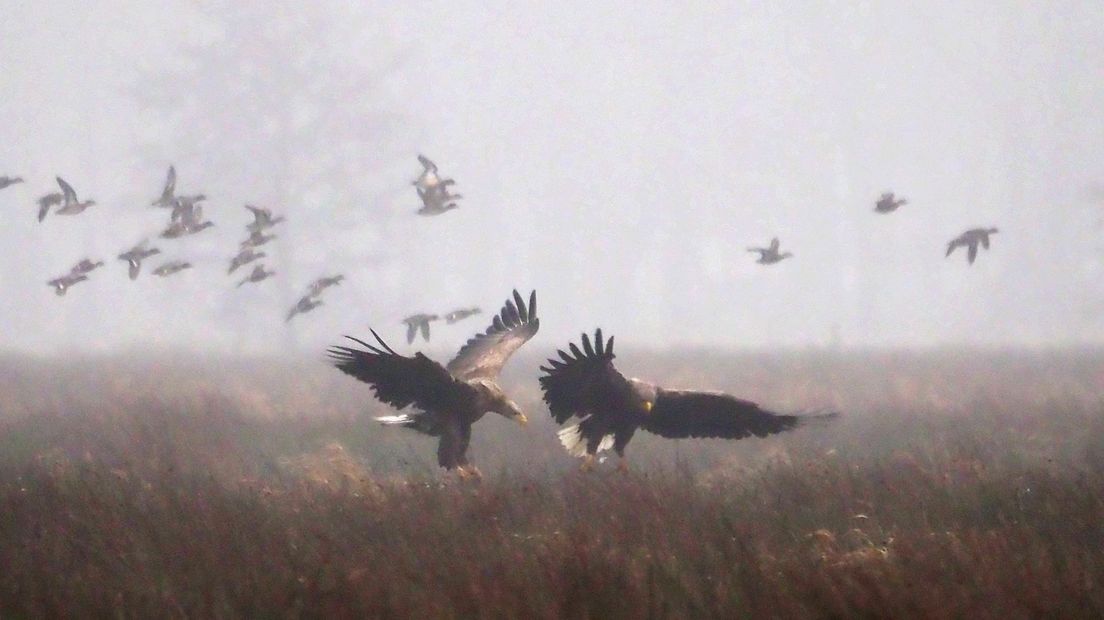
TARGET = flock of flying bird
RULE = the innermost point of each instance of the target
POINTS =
(888, 203)
(186, 219)
(580, 385)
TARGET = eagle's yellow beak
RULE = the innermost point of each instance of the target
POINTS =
(522, 420)
(648, 406)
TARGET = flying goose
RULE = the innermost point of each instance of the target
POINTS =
(85, 266)
(245, 256)
(262, 219)
(259, 273)
(71, 204)
(187, 219)
(888, 203)
(187, 208)
(176, 230)
(322, 284)
(769, 256)
(970, 240)
(417, 322)
(135, 256)
(171, 267)
(256, 238)
(305, 304)
(62, 284)
(461, 314)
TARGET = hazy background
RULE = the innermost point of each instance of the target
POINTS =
(618, 157)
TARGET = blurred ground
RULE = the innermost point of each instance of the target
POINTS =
(956, 484)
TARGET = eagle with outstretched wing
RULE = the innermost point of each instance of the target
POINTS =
(446, 400)
(583, 384)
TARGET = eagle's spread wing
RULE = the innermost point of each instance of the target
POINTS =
(485, 354)
(583, 383)
(678, 414)
(427, 164)
(399, 380)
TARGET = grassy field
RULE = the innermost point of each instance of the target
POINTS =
(966, 485)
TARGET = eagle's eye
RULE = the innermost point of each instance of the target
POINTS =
(648, 406)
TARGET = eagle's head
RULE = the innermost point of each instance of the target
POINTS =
(510, 409)
(644, 394)
(499, 403)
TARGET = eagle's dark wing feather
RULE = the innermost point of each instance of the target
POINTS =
(399, 380)
(678, 414)
(583, 383)
(484, 355)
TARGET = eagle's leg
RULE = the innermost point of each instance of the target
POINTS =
(620, 440)
(469, 472)
(594, 436)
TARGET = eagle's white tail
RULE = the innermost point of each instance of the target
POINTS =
(394, 419)
(575, 444)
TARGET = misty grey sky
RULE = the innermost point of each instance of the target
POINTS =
(617, 156)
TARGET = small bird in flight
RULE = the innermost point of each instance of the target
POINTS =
(970, 240)
(322, 284)
(85, 266)
(187, 219)
(62, 284)
(187, 209)
(262, 219)
(258, 274)
(888, 203)
(245, 256)
(135, 256)
(6, 182)
(256, 239)
(305, 304)
(770, 256)
(461, 314)
(171, 267)
(417, 322)
(71, 205)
